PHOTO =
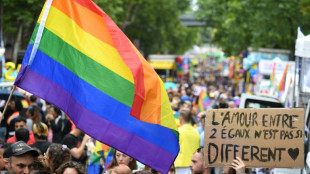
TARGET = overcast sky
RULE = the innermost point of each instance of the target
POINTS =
(193, 4)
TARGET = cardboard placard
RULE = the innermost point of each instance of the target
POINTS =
(267, 138)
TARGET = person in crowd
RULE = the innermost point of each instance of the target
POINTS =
(19, 158)
(40, 172)
(35, 104)
(171, 170)
(121, 158)
(189, 141)
(121, 169)
(201, 119)
(56, 155)
(77, 145)
(238, 167)
(33, 100)
(144, 172)
(3, 146)
(33, 116)
(22, 134)
(187, 104)
(222, 101)
(71, 167)
(231, 105)
(39, 164)
(4, 125)
(170, 95)
(60, 127)
(20, 122)
(197, 165)
(17, 110)
(40, 131)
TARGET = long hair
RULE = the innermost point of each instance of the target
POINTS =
(18, 104)
(79, 168)
(58, 154)
(132, 164)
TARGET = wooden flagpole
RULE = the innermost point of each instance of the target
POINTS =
(7, 103)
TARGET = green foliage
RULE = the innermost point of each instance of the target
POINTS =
(155, 24)
(255, 23)
(159, 29)
(20, 13)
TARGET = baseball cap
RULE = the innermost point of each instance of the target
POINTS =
(17, 149)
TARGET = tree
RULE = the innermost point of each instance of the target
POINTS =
(254, 23)
(19, 20)
(155, 24)
(158, 28)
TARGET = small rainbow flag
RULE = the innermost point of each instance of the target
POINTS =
(204, 101)
(180, 70)
(281, 86)
(79, 60)
(99, 152)
(272, 75)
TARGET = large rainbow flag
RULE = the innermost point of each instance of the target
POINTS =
(79, 60)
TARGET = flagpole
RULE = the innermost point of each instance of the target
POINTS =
(7, 103)
(40, 31)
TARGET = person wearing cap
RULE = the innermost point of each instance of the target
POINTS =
(19, 158)
(40, 131)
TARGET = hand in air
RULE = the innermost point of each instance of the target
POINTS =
(238, 165)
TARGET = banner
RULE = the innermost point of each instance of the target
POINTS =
(260, 137)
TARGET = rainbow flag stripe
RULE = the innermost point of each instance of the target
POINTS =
(85, 65)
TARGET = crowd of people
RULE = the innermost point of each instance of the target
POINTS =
(190, 118)
(37, 137)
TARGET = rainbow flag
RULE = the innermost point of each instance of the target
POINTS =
(98, 153)
(12, 117)
(180, 70)
(272, 75)
(79, 60)
(204, 101)
(281, 86)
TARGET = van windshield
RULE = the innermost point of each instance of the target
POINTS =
(252, 103)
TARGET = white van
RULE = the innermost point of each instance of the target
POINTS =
(253, 101)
